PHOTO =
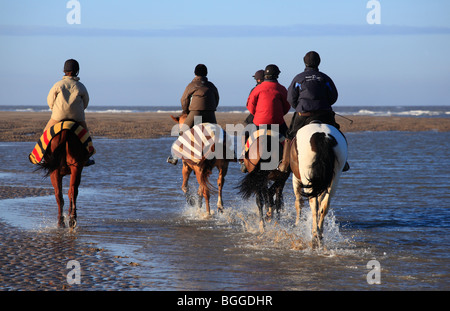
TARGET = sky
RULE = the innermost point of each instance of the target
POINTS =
(143, 53)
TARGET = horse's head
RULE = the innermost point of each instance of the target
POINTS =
(180, 119)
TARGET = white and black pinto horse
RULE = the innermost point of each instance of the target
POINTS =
(321, 152)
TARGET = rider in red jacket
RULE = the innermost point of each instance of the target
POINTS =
(268, 101)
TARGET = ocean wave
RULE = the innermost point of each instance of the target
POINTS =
(381, 111)
(389, 113)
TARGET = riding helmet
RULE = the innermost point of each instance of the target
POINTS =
(312, 59)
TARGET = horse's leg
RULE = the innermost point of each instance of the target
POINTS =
(297, 184)
(186, 171)
(270, 202)
(314, 204)
(75, 180)
(323, 211)
(56, 179)
(223, 169)
(279, 186)
(203, 191)
(260, 201)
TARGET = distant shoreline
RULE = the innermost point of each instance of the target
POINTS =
(27, 126)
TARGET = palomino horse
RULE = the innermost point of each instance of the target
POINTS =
(261, 172)
(203, 170)
(317, 160)
(65, 156)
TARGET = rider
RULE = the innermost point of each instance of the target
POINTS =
(311, 94)
(200, 99)
(69, 98)
(259, 77)
(268, 101)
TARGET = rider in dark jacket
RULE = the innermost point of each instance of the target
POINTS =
(311, 94)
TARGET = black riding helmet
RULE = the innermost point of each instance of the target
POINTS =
(312, 59)
(271, 72)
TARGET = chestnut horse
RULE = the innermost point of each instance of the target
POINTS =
(65, 156)
(203, 170)
(261, 172)
(317, 159)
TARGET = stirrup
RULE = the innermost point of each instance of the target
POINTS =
(172, 160)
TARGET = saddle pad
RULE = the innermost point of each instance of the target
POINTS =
(258, 133)
(39, 150)
(205, 140)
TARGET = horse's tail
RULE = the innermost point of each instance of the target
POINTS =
(56, 158)
(322, 168)
(252, 183)
(206, 167)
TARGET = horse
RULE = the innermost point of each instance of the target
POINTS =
(261, 171)
(203, 170)
(65, 156)
(317, 159)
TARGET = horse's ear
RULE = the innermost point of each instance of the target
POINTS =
(176, 119)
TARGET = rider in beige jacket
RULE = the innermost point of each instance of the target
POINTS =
(68, 98)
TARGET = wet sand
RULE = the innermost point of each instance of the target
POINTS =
(33, 261)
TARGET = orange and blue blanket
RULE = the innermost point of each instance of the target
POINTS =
(39, 150)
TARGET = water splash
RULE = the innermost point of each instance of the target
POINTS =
(280, 233)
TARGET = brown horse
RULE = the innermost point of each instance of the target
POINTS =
(203, 170)
(261, 171)
(65, 156)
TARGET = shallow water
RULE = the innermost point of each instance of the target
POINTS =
(392, 206)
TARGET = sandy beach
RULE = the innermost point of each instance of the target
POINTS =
(28, 126)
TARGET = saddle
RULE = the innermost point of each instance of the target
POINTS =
(203, 141)
(251, 150)
(39, 150)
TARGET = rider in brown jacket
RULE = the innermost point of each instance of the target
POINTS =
(200, 98)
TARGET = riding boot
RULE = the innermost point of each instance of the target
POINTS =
(172, 160)
(284, 165)
(90, 162)
(243, 168)
(346, 167)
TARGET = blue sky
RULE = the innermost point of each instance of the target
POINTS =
(144, 52)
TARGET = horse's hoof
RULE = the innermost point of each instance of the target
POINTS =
(316, 242)
(191, 201)
(61, 223)
(72, 223)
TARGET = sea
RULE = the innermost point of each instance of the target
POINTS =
(415, 111)
(388, 228)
